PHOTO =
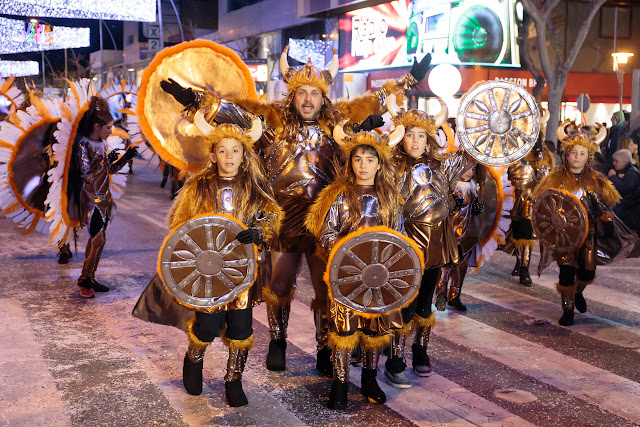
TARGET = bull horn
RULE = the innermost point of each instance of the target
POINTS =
(256, 129)
(443, 115)
(602, 133)
(284, 64)
(333, 69)
(398, 133)
(545, 116)
(201, 122)
(392, 105)
(338, 133)
(561, 133)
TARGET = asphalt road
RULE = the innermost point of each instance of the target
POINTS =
(68, 361)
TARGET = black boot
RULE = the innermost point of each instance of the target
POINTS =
(338, 395)
(370, 388)
(98, 287)
(525, 279)
(276, 356)
(323, 361)
(441, 301)
(421, 362)
(456, 304)
(65, 254)
(235, 394)
(192, 376)
(567, 318)
(516, 270)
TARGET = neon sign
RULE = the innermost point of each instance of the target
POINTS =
(478, 32)
(39, 34)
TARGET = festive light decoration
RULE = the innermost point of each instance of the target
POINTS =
(301, 50)
(115, 10)
(19, 68)
(19, 36)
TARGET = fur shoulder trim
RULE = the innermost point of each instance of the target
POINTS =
(318, 211)
(186, 205)
(610, 196)
(358, 109)
(552, 180)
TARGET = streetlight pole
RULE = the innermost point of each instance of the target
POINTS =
(101, 58)
(43, 72)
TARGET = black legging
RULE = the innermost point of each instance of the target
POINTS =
(567, 276)
(238, 322)
(96, 224)
(422, 304)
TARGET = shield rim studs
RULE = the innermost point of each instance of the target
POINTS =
(211, 252)
(380, 236)
(561, 243)
(500, 114)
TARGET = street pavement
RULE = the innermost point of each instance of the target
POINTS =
(69, 361)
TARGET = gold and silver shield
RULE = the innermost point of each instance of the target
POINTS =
(203, 265)
(559, 220)
(498, 123)
(374, 271)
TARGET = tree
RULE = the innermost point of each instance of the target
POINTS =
(556, 69)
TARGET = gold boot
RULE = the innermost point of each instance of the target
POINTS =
(278, 309)
(567, 295)
(421, 362)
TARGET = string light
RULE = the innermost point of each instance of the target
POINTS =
(301, 50)
(113, 10)
(19, 68)
(19, 36)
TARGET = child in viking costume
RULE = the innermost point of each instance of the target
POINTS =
(301, 159)
(95, 201)
(524, 176)
(232, 184)
(597, 196)
(466, 195)
(425, 187)
(364, 196)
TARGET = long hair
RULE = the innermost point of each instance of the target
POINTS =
(328, 118)
(98, 112)
(432, 151)
(626, 144)
(251, 189)
(385, 185)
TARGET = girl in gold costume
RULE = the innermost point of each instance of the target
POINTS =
(365, 195)
(598, 196)
(234, 183)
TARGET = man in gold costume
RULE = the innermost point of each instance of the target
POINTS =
(301, 159)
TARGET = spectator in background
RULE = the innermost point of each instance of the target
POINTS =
(610, 146)
(625, 178)
(632, 146)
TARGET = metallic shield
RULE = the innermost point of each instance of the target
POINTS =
(374, 272)
(487, 221)
(203, 265)
(498, 123)
(559, 220)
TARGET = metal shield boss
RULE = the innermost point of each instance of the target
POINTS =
(559, 220)
(498, 123)
(374, 272)
(203, 265)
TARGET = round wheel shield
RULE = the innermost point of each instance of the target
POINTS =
(498, 123)
(559, 220)
(203, 265)
(374, 272)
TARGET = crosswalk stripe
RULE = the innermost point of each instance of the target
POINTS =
(429, 401)
(35, 389)
(590, 325)
(596, 386)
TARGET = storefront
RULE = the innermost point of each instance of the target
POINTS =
(380, 43)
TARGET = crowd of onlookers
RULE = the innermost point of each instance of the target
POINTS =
(618, 160)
